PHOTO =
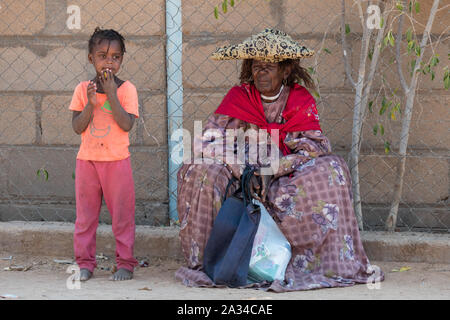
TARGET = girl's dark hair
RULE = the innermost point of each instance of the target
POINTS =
(100, 35)
(298, 73)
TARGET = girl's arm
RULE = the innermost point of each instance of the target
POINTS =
(80, 119)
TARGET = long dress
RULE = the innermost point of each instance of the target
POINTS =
(309, 198)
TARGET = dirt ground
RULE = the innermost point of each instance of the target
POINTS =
(41, 278)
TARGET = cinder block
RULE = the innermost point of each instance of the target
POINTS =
(409, 217)
(57, 68)
(140, 17)
(310, 16)
(339, 132)
(56, 121)
(246, 17)
(327, 63)
(425, 181)
(429, 128)
(198, 107)
(153, 120)
(199, 71)
(149, 166)
(144, 65)
(21, 164)
(420, 19)
(429, 124)
(21, 17)
(386, 75)
(62, 68)
(18, 120)
(146, 213)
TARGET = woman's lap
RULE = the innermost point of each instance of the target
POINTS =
(313, 208)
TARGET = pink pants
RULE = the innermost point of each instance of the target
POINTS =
(114, 181)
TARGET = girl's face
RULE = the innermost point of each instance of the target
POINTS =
(106, 55)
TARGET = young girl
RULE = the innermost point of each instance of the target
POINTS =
(104, 110)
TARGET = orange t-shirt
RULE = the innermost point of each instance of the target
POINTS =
(103, 139)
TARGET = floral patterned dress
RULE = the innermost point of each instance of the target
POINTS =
(309, 198)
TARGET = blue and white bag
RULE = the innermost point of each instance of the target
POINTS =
(271, 251)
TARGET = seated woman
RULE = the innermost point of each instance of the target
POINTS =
(308, 191)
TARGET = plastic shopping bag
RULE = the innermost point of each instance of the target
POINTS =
(271, 251)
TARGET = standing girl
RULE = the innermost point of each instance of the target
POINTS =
(104, 110)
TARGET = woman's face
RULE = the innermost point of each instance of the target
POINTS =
(268, 77)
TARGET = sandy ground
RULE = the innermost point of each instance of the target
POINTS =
(42, 278)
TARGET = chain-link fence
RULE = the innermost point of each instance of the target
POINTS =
(43, 56)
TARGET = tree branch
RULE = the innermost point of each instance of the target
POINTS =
(345, 48)
(398, 55)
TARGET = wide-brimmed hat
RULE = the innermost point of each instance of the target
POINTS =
(270, 45)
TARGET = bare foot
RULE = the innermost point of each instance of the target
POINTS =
(122, 274)
(85, 275)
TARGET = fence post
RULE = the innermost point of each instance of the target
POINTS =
(174, 42)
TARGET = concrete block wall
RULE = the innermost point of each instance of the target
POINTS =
(42, 60)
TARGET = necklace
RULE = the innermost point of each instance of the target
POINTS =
(274, 97)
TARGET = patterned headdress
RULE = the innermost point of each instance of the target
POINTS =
(270, 45)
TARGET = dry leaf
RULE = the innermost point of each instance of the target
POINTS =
(401, 269)
(146, 289)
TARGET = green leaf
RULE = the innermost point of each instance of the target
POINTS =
(232, 3)
(386, 40)
(392, 114)
(381, 22)
(387, 147)
(418, 50)
(434, 60)
(316, 94)
(417, 6)
(44, 172)
(446, 79)
(327, 50)
(399, 6)
(381, 129)
(411, 45)
(347, 28)
(375, 129)
(225, 6)
(384, 105)
(370, 106)
(413, 65)
(409, 35)
(391, 38)
(216, 12)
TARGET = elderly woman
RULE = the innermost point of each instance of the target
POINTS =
(307, 193)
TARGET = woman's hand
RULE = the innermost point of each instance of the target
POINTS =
(259, 185)
(108, 83)
(91, 93)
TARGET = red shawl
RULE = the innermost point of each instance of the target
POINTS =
(244, 102)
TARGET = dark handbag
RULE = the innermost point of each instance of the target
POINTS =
(227, 253)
